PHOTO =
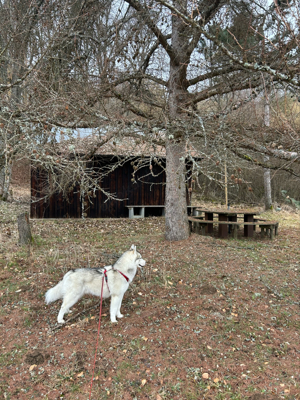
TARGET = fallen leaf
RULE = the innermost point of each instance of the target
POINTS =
(209, 347)
(32, 367)
(158, 397)
(93, 317)
(205, 375)
(145, 338)
(216, 380)
(80, 375)
(144, 381)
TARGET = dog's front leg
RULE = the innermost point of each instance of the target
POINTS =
(114, 304)
(119, 315)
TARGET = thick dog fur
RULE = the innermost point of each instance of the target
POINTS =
(79, 282)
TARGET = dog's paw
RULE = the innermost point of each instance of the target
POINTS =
(113, 321)
(120, 315)
(61, 321)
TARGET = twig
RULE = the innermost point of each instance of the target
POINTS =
(59, 326)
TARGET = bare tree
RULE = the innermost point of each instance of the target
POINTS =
(207, 52)
(173, 74)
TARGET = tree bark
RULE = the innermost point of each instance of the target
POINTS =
(5, 178)
(267, 186)
(267, 173)
(177, 225)
(24, 229)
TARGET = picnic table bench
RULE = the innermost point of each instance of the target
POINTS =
(267, 227)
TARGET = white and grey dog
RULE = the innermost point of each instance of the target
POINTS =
(82, 281)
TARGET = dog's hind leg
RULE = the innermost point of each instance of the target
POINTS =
(69, 300)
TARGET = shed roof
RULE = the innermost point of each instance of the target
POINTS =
(114, 145)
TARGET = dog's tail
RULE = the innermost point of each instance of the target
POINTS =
(54, 293)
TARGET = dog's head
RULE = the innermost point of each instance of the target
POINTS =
(130, 261)
(139, 261)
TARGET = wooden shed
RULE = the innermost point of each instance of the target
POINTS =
(148, 189)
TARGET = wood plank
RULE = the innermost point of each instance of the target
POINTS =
(206, 221)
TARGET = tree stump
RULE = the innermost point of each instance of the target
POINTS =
(24, 229)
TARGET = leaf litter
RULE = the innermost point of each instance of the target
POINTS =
(206, 318)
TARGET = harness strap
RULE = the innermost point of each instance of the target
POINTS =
(126, 277)
(105, 276)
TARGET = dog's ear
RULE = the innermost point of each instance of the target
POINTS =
(133, 247)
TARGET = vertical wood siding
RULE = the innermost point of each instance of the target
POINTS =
(151, 191)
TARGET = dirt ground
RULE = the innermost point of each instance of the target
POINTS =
(206, 319)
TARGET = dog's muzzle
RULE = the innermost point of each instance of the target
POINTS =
(142, 263)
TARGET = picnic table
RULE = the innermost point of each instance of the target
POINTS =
(229, 221)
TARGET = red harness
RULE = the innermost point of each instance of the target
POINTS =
(105, 276)
(126, 277)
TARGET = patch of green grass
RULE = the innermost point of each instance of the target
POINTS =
(12, 357)
(39, 241)
(28, 322)
(10, 287)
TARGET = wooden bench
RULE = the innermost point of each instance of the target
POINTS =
(139, 211)
(267, 227)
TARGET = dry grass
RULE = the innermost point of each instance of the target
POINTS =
(207, 319)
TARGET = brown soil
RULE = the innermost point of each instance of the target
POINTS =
(207, 318)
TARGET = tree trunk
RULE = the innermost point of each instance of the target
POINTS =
(24, 229)
(177, 225)
(5, 177)
(267, 186)
(267, 173)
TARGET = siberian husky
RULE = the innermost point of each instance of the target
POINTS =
(82, 281)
